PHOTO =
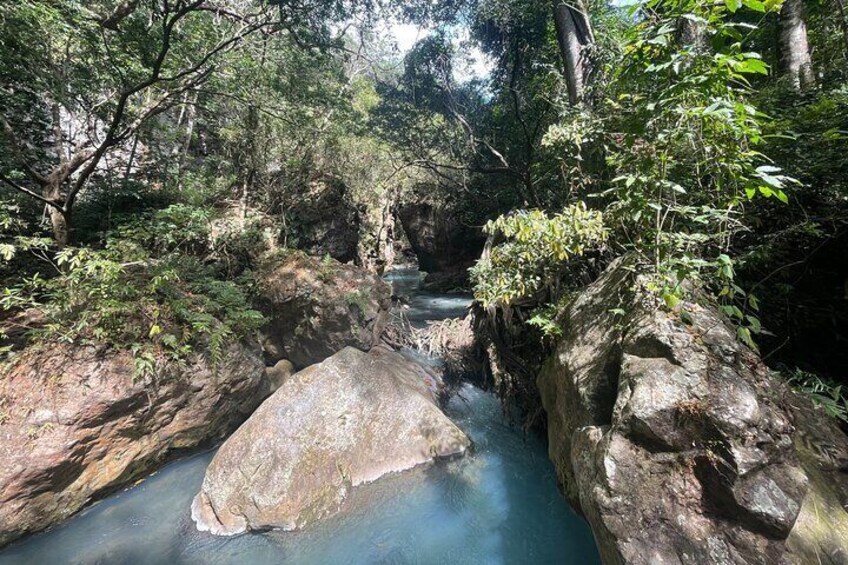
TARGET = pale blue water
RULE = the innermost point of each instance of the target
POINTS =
(499, 505)
(423, 306)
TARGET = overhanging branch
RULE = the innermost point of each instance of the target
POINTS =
(29, 192)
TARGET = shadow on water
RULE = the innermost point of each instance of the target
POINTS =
(498, 505)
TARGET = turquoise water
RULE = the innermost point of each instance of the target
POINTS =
(423, 306)
(498, 505)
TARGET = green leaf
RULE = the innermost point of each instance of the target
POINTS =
(745, 336)
(755, 5)
(752, 66)
(671, 300)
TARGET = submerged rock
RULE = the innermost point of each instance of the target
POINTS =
(316, 307)
(679, 446)
(75, 424)
(344, 422)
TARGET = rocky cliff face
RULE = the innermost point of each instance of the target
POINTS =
(677, 444)
(317, 307)
(325, 221)
(444, 246)
(74, 424)
(344, 422)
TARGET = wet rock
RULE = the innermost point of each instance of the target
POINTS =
(678, 445)
(453, 281)
(344, 422)
(75, 424)
(317, 307)
(277, 375)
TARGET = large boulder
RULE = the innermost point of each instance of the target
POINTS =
(441, 242)
(678, 445)
(75, 424)
(323, 220)
(344, 422)
(316, 307)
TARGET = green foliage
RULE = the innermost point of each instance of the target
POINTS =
(825, 394)
(534, 249)
(546, 318)
(10, 225)
(685, 145)
(683, 142)
(357, 299)
(147, 290)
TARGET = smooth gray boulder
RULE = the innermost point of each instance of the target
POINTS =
(677, 443)
(346, 421)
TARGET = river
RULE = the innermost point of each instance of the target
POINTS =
(498, 505)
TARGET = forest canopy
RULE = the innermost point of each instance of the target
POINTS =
(150, 149)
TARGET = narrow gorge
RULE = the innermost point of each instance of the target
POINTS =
(443, 282)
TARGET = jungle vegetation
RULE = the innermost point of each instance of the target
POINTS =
(148, 148)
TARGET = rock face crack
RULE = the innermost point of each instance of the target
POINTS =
(689, 457)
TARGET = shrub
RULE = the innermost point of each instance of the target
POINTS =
(533, 250)
(147, 290)
(825, 394)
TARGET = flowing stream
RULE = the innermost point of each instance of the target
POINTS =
(497, 505)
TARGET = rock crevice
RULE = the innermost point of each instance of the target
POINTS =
(696, 461)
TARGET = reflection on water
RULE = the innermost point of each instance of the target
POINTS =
(498, 505)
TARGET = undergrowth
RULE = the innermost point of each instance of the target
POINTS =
(154, 288)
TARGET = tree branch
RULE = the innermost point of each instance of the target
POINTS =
(29, 192)
(119, 14)
(111, 137)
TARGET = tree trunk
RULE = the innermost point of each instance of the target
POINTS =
(52, 188)
(574, 35)
(795, 57)
(191, 112)
(690, 34)
(59, 220)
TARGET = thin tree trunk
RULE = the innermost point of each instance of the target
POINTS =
(52, 188)
(690, 33)
(131, 160)
(795, 58)
(574, 35)
(186, 145)
(59, 220)
(843, 21)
